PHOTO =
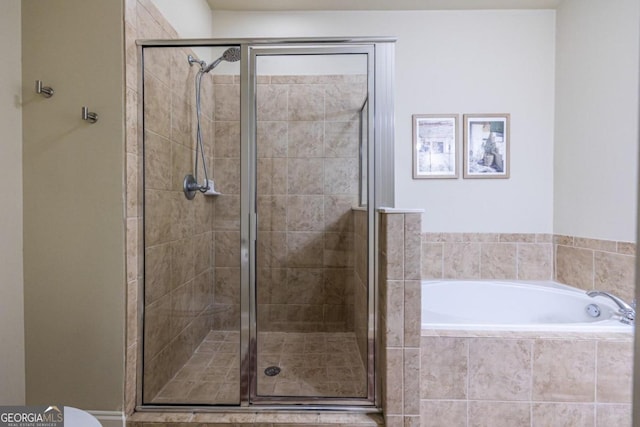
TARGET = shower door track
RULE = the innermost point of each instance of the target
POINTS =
(380, 193)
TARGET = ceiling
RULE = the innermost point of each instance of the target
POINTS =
(282, 5)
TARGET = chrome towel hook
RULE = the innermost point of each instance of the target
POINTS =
(88, 115)
(45, 91)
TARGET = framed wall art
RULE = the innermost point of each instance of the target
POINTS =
(435, 146)
(486, 146)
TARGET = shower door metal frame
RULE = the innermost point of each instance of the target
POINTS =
(380, 193)
(250, 53)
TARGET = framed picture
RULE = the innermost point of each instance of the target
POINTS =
(435, 146)
(486, 146)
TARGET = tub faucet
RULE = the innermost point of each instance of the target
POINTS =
(628, 312)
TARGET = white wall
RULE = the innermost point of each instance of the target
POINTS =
(12, 382)
(597, 119)
(454, 62)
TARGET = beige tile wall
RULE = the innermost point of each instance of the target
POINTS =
(399, 317)
(360, 288)
(178, 233)
(510, 381)
(487, 256)
(576, 261)
(307, 184)
(596, 264)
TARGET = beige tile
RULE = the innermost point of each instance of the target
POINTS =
(461, 260)
(444, 368)
(432, 261)
(535, 261)
(183, 123)
(341, 176)
(412, 312)
(305, 213)
(306, 102)
(272, 213)
(499, 414)
(341, 139)
(157, 111)
(226, 212)
(304, 286)
(338, 214)
(226, 173)
(132, 265)
(393, 402)
(559, 239)
(499, 369)
(157, 272)
(227, 249)
(181, 165)
(439, 413)
(498, 261)
(564, 371)
(338, 250)
(394, 314)
(344, 100)
(574, 267)
(272, 176)
(411, 381)
(615, 372)
(271, 250)
(157, 162)
(394, 250)
(595, 244)
(157, 217)
(613, 415)
(474, 237)
(305, 176)
(182, 261)
(562, 414)
(626, 248)
(615, 273)
(227, 139)
(272, 139)
(412, 246)
(227, 102)
(272, 102)
(305, 249)
(157, 327)
(306, 139)
(517, 238)
(227, 285)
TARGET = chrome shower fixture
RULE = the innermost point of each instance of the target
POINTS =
(190, 184)
(230, 55)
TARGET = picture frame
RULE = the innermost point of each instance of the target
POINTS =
(435, 146)
(486, 149)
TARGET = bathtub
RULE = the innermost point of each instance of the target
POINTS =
(473, 305)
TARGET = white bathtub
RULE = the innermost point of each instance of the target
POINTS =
(514, 306)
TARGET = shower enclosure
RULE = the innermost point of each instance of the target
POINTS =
(260, 284)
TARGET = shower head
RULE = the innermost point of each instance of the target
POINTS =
(230, 55)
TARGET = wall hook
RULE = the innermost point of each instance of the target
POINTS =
(88, 115)
(45, 91)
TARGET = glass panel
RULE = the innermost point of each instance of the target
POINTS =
(192, 247)
(311, 257)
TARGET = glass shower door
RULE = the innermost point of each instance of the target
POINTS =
(311, 256)
(191, 245)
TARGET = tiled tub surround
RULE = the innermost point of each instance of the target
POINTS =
(580, 262)
(596, 264)
(525, 379)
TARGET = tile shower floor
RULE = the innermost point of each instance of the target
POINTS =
(311, 364)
